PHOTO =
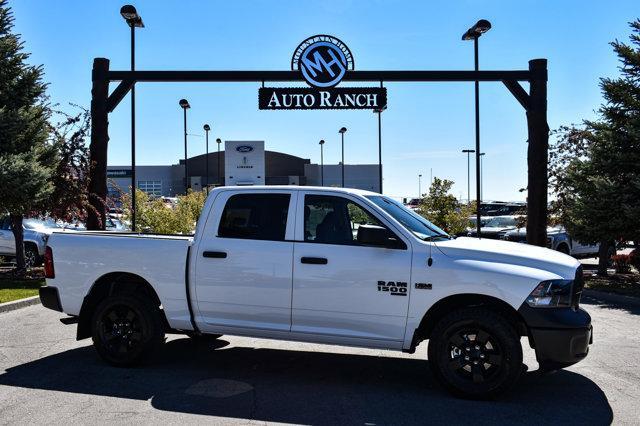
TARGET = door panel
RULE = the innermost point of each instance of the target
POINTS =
(348, 290)
(241, 281)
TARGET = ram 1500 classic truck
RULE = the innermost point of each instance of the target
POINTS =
(324, 265)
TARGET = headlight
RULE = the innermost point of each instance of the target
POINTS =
(551, 294)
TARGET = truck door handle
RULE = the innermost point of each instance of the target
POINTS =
(314, 260)
(214, 254)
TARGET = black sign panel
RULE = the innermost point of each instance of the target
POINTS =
(119, 173)
(312, 98)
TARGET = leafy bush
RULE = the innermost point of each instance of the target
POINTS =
(157, 217)
(621, 262)
(444, 210)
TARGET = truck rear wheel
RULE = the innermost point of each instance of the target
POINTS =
(126, 329)
(475, 353)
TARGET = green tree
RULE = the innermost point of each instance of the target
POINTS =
(443, 209)
(26, 158)
(595, 167)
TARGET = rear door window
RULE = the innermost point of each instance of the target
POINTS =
(255, 217)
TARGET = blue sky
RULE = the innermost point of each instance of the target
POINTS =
(426, 124)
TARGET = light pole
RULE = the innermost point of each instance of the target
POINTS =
(481, 175)
(134, 21)
(474, 33)
(468, 151)
(379, 112)
(342, 132)
(321, 162)
(184, 104)
(206, 128)
(419, 186)
(218, 141)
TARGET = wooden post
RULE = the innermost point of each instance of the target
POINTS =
(96, 214)
(537, 154)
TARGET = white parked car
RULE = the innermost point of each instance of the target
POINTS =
(36, 232)
(323, 265)
(558, 239)
(496, 226)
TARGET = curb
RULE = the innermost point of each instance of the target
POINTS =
(17, 304)
(612, 297)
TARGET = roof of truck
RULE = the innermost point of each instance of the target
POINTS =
(298, 188)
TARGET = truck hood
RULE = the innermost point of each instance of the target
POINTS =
(511, 253)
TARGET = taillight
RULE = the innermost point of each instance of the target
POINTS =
(49, 272)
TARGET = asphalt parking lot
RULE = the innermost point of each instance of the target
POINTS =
(46, 376)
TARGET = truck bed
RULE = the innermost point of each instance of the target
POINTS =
(82, 258)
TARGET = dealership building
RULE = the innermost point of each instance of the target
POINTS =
(241, 163)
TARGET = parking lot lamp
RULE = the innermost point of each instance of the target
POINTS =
(342, 131)
(321, 162)
(184, 104)
(419, 186)
(474, 33)
(468, 151)
(218, 141)
(481, 175)
(206, 128)
(134, 21)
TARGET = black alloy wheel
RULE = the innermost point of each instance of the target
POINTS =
(126, 329)
(30, 256)
(475, 353)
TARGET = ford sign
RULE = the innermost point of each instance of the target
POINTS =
(244, 148)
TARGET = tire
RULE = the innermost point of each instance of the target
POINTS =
(563, 248)
(31, 256)
(126, 330)
(475, 353)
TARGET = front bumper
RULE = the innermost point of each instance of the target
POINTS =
(50, 299)
(560, 336)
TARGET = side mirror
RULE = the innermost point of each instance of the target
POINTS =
(373, 235)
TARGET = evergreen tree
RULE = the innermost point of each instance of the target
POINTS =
(26, 158)
(596, 167)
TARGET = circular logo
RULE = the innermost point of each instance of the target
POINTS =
(244, 148)
(323, 60)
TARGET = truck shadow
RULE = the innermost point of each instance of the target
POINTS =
(308, 387)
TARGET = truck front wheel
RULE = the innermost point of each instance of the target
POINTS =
(475, 353)
(126, 329)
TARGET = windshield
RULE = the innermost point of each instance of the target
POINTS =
(502, 222)
(37, 223)
(416, 224)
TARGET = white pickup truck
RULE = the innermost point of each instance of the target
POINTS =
(323, 265)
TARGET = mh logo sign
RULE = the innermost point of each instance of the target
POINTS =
(323, 60)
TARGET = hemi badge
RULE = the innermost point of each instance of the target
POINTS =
(423, 286)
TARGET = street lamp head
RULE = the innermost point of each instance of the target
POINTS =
(482, 153)
(468, 151)
(184, 103)
(218, 141)
(206, 127)
(342, 130)
(419, 175)
(481, 27)
(321, 142)
(130, 14)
